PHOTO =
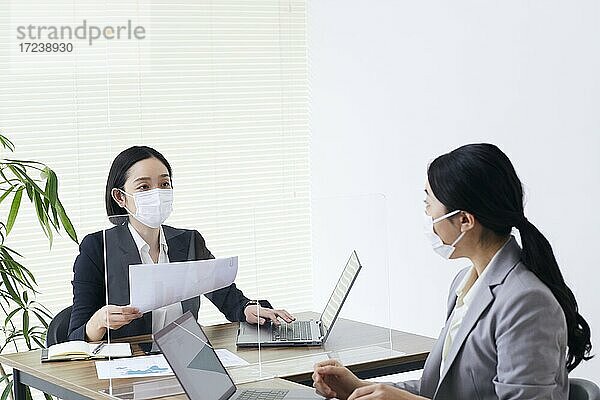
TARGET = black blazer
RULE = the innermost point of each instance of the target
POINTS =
(121, 251)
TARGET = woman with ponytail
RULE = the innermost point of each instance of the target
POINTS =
(513, 329)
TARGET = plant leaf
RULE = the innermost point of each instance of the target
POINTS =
(10, 315)
(26, 328)
(6, 143)
(21, 174)
(11, 251)
(14, 210)
(66, 222)
(16, 161)
(52, 196)
(7, 390)
(29, 190)
(40, 318)
(51, 185)
(41, 308)
(42, 216)
(6, 193)
(13, 294)
(16, 271)
(38, 341)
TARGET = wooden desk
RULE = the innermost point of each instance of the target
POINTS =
(365, 349)
(391, 351)
(77, 380)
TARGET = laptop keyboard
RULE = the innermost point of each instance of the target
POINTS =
(297, 330)
(250, 394)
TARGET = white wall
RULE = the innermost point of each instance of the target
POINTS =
(396, 83)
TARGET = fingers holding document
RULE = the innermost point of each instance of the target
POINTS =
(112, 317)
(119, 316)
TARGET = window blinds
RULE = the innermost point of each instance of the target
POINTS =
(220, 88)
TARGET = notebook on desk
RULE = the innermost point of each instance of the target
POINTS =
(80, 350)
(303, 333)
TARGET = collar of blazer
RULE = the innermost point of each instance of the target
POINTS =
(177, 243)
(507, 258)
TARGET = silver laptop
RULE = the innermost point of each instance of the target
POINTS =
(303, 333)
(200, 372)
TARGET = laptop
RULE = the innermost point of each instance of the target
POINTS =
(200, 372)
(303, 333)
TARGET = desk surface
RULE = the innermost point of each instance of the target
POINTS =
(358, 345)
(79, 377)
(362, 347)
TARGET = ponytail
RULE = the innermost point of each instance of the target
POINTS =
(538, 256)
(480, 179)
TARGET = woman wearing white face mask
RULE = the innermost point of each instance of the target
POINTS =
(139, 199)
(512, 329)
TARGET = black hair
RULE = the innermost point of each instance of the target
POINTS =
(119, 172)
(481, 180)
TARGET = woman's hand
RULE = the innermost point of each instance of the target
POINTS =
(253, 315)
(333, 380)
(380, 391)
(109, 316)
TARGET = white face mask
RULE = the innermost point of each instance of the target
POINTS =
(152, 207)
(444, 250)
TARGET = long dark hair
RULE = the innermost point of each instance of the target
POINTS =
(118, 174)
(480, 179)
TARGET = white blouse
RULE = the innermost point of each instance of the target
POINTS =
(165, 315)
(465, 293)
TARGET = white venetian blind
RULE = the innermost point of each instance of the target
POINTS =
(220, 88)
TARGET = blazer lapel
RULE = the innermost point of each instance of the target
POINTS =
(121, 252)
(431, 371)
(508, 257)
(181, 248)
(178, 245)
(480, 303)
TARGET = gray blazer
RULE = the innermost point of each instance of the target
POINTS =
(511, 344)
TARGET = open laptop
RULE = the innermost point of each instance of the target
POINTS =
(303, 333)
(200, 372)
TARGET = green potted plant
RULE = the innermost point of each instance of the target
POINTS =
(25, 321)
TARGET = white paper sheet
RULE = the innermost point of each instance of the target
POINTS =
(230, 359)
(137, 367)
(152, 286)
(155, 365)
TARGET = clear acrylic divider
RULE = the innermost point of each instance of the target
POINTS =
(282, 249)
(109, 249)
(245, 364)
(148, 374)
(340, 225)
(338, 281)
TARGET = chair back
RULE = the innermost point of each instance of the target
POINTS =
(58, 329)
(582, 389)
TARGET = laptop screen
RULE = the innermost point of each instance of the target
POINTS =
(194, 361)
(340, 292)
